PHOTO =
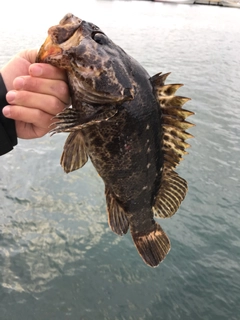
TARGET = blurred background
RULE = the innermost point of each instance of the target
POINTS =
(58, 257)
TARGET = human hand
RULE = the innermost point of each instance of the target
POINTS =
(36, 93)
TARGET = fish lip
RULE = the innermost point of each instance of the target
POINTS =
(48, 49)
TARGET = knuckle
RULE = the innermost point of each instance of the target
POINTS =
(42, 120)
(25, 98)
(20, 97)
(17, 112)
(39, 114)
(56, 105)
(31, 84)
(62, 91)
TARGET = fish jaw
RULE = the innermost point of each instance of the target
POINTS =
(60, 39)
(48, 50)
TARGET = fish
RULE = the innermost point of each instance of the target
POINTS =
(130, 125)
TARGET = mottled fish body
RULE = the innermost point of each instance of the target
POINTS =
(131, 126)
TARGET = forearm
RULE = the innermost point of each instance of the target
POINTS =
(8, 137)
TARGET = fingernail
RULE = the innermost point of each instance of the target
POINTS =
(35, 70)
(18, 83)
(6, 111)
(10, 96)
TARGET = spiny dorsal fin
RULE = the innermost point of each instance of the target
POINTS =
(159, 79)
(172, 188)
(173, 120)
(172, 101)
(169, 89)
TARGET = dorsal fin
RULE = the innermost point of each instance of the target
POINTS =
(173, 119)
(173, 188)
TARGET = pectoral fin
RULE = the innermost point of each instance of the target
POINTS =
(117, 218)
(74, 154)
(71, 119)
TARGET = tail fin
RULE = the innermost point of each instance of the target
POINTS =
(153, 246)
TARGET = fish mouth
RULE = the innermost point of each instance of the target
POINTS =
(60, 38)
(48, 49)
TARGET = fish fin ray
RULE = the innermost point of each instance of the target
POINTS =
(74, 154)
(173, 120)
(117, 218)
(172, 192)
(66, 121)
(153, 246)
(70, 120)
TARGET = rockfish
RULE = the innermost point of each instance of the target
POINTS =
(131, 126)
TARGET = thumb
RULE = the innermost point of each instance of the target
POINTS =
(29, 55)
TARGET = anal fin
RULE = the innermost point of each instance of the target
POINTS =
(171, 193)
(117, 218)
(74, 154)
(152, 246)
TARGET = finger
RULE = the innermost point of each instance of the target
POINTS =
(29, 131)
(44, 70)
(56, 88)
(36, 117)
(29, 55)
(46, 103)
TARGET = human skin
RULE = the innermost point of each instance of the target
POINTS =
(36, 93)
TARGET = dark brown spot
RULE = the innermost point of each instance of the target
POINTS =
(97, 141)
(89, 81)
(166, 137)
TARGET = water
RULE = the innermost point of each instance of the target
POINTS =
(58, 257)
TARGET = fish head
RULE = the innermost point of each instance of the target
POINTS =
(98, 69)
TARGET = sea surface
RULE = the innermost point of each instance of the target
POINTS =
(58, 258)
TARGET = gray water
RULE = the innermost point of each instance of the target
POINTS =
(58, 257)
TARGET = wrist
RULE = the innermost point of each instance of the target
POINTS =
(7, 81)
(7, 73)
(8, 137)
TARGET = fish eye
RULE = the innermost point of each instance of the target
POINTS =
(99, 37)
